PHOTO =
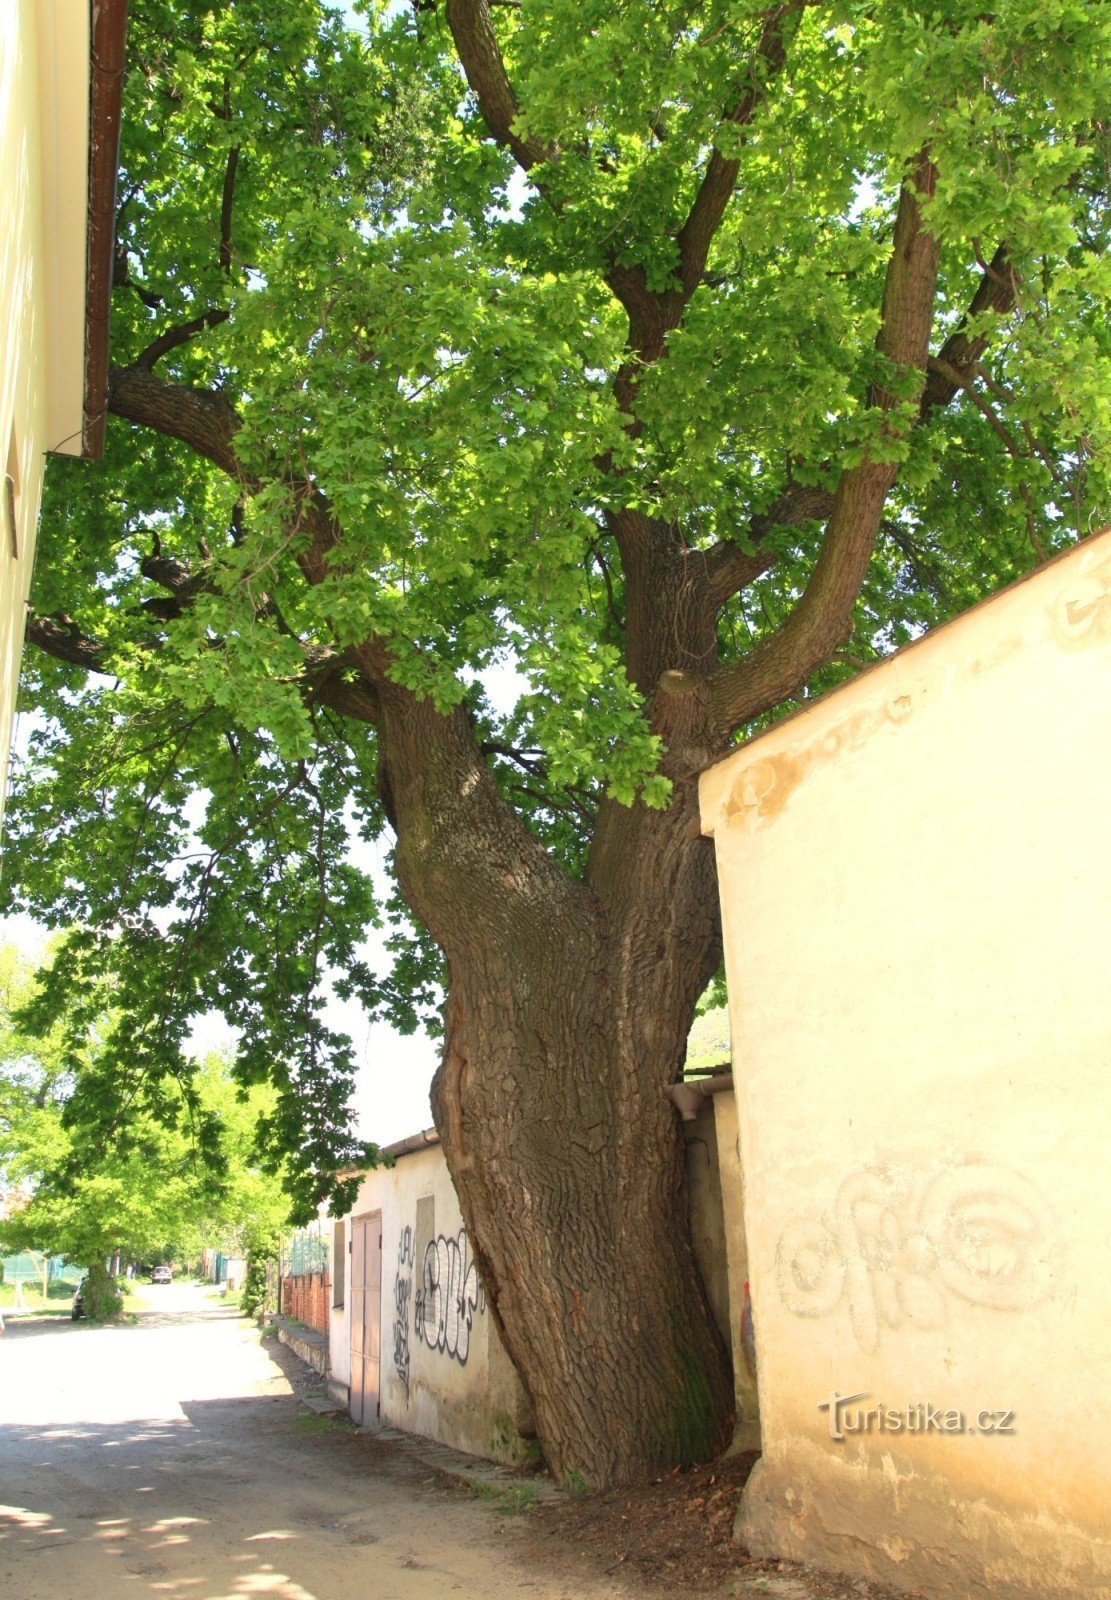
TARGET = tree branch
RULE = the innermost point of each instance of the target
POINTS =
(227, 201)
(652, 313)
(325, 680)
(729, 568)
(332, 678)
(173, 575)
(960, 380)
(182, 334)
(60, 637)
(718, 182)
(204, 419)
(414, 738)
(925, 570)
(780, 664)
(997, 291)
(122, 279)
(481, 58)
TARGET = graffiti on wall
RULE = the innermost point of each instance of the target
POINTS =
(402, 1292)
(896, 1246)
(449, 1298)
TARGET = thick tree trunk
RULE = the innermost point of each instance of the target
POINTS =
(568, 1159)
(568, 1010)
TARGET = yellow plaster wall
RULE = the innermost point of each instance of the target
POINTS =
(916, 889)
(44, 92)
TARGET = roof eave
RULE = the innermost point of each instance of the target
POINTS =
(108, 28)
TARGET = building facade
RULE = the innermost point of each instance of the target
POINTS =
(916, 896)
(412, 1343)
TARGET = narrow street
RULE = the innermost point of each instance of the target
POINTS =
(171, 1457)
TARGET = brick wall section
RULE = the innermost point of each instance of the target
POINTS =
(309, 1299)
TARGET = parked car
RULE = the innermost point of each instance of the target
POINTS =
(161, 1275)
(78, 1309)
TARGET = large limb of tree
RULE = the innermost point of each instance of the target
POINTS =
(822, 619)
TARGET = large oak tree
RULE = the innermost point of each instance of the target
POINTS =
(685, 356)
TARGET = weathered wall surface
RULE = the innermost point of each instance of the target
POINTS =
(916, 888)
(746, 1434)
(717, 1234)
(444, 1372)
(706, 1216)
(44, 102)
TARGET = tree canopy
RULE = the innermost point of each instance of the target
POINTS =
(169, 1180)
(684, 356)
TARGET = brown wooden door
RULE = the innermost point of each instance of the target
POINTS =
(366, 1316)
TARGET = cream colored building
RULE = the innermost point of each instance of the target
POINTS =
(915, 880)
(60, 79)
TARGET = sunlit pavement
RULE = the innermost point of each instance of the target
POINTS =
(170, 1457)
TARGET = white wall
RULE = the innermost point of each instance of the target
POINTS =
(444, 1372)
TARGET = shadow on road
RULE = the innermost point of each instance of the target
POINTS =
(31, 1327)
(231, 1500)
(27, 1327)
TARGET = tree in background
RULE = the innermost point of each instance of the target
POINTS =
(684, 356)
(158, 1188)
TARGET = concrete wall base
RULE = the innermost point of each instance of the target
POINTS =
(913, 1532)
(746, 1436)
(310, 1347)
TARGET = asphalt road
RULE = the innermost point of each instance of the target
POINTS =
(171, 1457)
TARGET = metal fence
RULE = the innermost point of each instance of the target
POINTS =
(306, 1252)
(39, 1270)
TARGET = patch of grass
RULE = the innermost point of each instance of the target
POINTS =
(513, 1499)
(521, 1498)
(59, 1296)
(575, 1484)
(225, 1296)
(314, 1422)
